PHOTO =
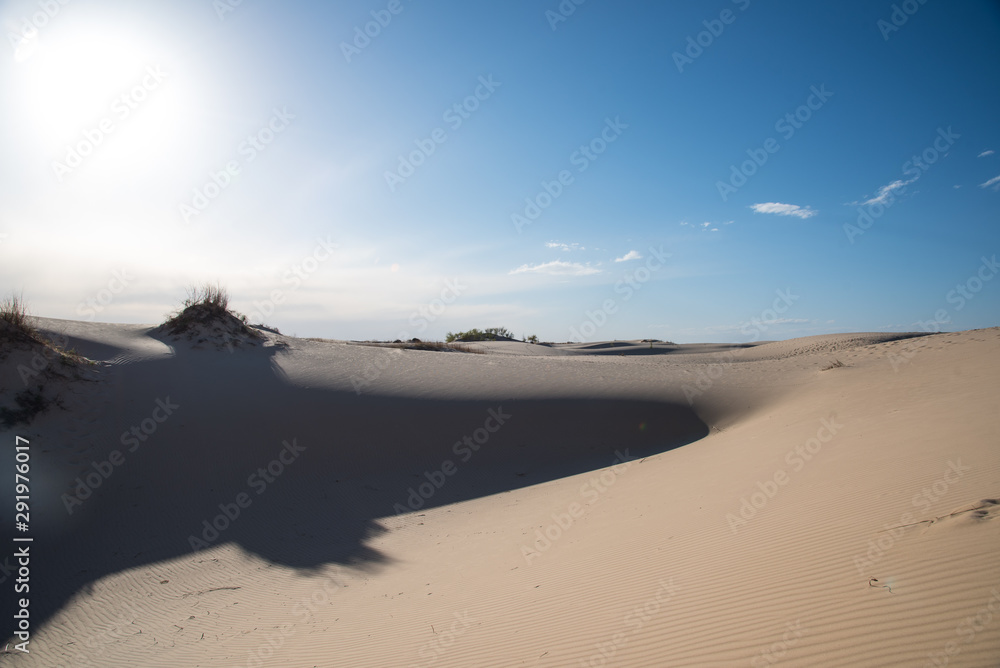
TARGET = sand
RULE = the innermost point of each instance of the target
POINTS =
(568, 505)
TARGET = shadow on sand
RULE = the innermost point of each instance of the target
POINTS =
(318, 467)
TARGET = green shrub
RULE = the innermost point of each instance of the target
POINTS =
(488, 334)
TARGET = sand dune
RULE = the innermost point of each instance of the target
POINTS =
(314, 503)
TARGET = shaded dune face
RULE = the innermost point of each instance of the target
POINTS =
(308, 473)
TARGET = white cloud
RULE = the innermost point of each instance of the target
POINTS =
(992, 183)
(784, 209)
(885, 192)
(706, 226)
(557, 268)
(631, 255)
(564, 247)
(985, 153)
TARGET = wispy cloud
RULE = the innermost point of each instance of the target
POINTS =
(564, 247)
(985, 153)
(784, 209)
(992, 183)
(631, 255)
(885, 192)
(557, 268)
(706, 226)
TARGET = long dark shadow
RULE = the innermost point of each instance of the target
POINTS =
(309, 471)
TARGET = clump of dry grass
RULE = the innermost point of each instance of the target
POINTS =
(436, 345)
(16, 328)
(417, 344)
(14, 311)
(15, 324)
(835, 364)
(214, 296)
(17, 333)
(208, 305)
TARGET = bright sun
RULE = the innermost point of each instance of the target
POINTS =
(72, 77)
(95, 101)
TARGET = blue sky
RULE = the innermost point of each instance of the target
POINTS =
(691, 171)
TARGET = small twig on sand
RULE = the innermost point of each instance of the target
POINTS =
(871, 583)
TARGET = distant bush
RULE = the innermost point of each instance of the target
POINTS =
(532, 339)
(488, 334)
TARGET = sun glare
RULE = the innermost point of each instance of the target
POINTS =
(71, 78)
(98, 102)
